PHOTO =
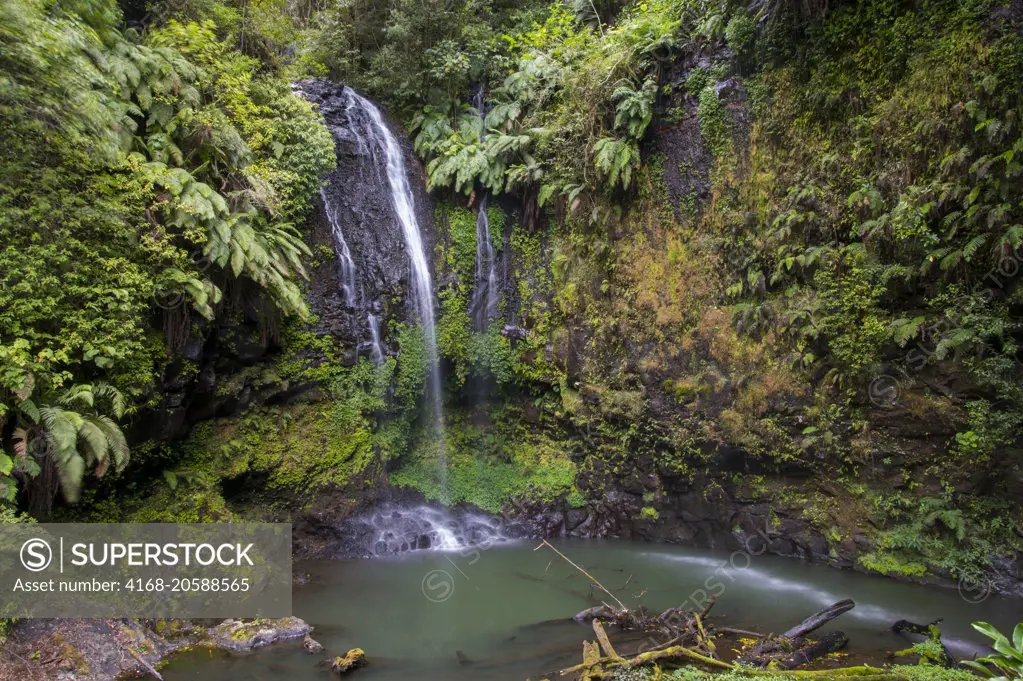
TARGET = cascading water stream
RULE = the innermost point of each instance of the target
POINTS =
(370, 126)
(347, 276)
(346, 264)
(393, 529)
(484, 296)
(376, 350)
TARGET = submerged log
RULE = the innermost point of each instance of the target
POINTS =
(593, 613)
(829, 643)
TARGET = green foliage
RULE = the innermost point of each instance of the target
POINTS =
(1007, 659)
(849, 321)
(634, 108)
(714, 125)
(410, 380)
(566, 85)
(615, 159)
(936, 532)
(405, 54)
(144, 174)
(895, 673)
(294, 452)
(929, 650)
(489, 466)
(740, 32)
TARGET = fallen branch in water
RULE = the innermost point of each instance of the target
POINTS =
(597, 666)
(692, 642)
(604, 641)
(819, 619)
(689, 637)
(739, 632)
(600, 586)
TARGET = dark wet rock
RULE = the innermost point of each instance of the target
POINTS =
(726, 88)
(574, 517)
(1006, 578)
(686, 162)
(311, 645)
(514, 332)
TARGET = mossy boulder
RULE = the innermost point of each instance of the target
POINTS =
(241, 636)
(353, 659)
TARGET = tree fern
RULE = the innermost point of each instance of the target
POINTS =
(634, 109)
(904, 330)
(78, 439)
(615, 159)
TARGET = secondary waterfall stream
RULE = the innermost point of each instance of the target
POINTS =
(345, 262)
(484, 294)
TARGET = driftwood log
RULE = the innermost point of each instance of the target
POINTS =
(819, 619)
(691, 641)
(601, 660)
(791, 650)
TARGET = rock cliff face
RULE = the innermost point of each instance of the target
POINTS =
(356, 213)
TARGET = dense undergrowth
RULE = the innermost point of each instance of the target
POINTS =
(151, 180)
(788, 229)
(824, 277)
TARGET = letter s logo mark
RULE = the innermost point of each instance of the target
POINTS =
(36, 555)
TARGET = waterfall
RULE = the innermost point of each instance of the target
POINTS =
(376, 350)
(484, 295)
(370, 127)
(346, 265)
(347, 275)
(391, 529)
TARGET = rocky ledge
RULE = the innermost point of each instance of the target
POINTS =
(104, 649)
